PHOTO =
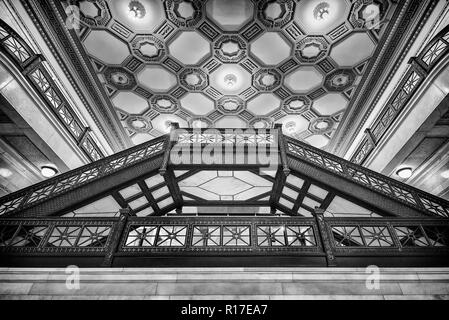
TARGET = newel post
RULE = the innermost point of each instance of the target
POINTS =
(115, 237)
(324, 236)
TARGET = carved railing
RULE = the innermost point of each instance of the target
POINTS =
(183, 237)
(285, 147)
(408, 195)
(76, 178)
(227, 136)
(420, 68)
(31, 66)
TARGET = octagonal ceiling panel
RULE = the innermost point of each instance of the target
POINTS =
(353, 50)
(304, 79)
(233, 63)
(106, 47)
(271, 48)
(89, 9)
(230, 15)
(189, 47)
(264, 104)
(157, 79)
(130, 102)
(330, 104)
(197, 103)
(231, 122)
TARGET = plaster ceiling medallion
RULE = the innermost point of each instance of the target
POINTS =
(267, 79)
(230, 49)
(184, 13)
(368, 14)
(120, 78)
(94, 13)
(136, 9)
(321, 16)
(141, 16)
(230, 79)
(297, 105)
(148, 48)
(293, 125)
(275, 14)
(261, 123)
(138, 124)
(311, 49)
(163, 104)
(230, 104)
(340, 80)
(194, 79)
(321, 11)
(230, 15)
(321, 125)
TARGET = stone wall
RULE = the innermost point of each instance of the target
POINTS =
(223, 283)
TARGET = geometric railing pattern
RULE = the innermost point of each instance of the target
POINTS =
(31, 66)
(382, 234)
(246, 137)
(206, 237)
(211, 236)
(34, 235)
(370, 179)
(78, 177)
(264, 140)
(420, 68)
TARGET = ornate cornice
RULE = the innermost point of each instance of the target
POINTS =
(30, 65)
(379, 74)
(48, 20)
(422, 68)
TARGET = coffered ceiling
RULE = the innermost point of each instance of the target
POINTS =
(233, 63)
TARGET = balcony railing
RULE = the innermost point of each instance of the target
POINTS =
(150, 241)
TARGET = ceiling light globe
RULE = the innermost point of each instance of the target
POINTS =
(48, 171)
(405, 173)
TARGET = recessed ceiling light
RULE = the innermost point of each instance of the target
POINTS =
(445, 174)
(405, 173)
(48, 171)
(5, 173)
